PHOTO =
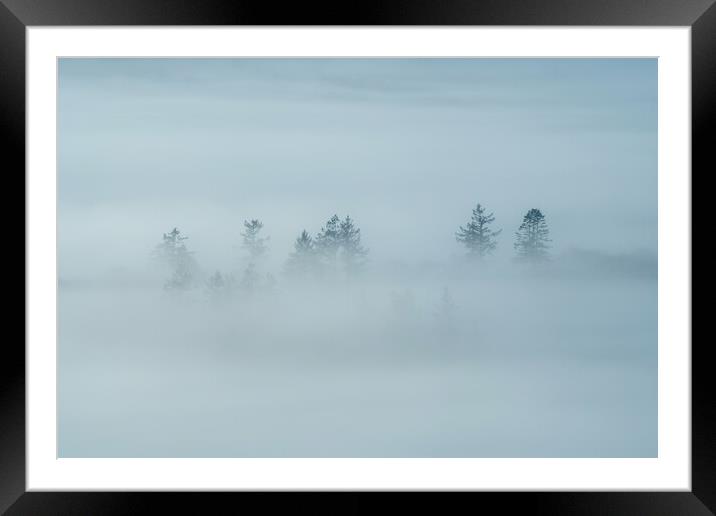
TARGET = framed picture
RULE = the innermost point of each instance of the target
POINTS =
(443, 249)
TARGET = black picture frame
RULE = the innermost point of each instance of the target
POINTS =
(17, 15)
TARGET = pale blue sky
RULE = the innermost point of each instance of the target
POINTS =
(405, 146)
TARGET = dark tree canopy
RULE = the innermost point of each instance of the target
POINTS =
(532, 237)
(353, 253)
(303, 261)
(341, 239)
(328, 239)
(477, 236)
(303, 245)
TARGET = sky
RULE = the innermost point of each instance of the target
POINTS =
(406, 147)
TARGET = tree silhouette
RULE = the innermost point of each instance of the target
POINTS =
(532, 237)
(303, 261)
(254, 245)
(328, 241)
(353, 254)
(173, 253)
(172, 248)
(477, 236)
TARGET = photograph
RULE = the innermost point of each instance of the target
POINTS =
(357, 257)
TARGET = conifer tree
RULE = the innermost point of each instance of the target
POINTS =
(303, 261)
(353, 254)
(532, 237)
(341, 239)
(327, 240)
(173, 254)
(253, 243)
(477, 236)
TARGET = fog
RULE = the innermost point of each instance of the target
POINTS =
(388, 337)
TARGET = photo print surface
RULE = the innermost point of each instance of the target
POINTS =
(345, 257)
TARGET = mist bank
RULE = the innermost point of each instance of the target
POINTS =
(573, 263)
(506, 361)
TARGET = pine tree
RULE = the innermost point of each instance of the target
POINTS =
(327, 241)
(173, 253)
(303, 261)
(353, 254)
(254, 245)
(532, 237)
(172, 248)
(341, 239)
(477, 236)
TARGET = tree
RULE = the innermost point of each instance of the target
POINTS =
(477, 236)
(341, 238)
(532, 237)
(172, 248)
(327, 240)
(353, 254)
(254, 244)
(173, 253)
(303, 261)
